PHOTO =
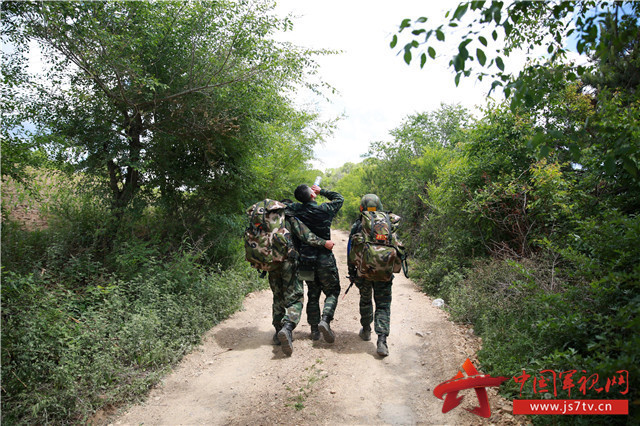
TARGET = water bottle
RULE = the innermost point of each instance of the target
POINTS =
(317, 181)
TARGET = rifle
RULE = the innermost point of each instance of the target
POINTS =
(353, 280)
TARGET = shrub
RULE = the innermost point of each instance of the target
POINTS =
(66, 354)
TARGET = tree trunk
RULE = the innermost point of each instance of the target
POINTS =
(125, 186)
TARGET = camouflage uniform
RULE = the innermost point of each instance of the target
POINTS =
(287, 289)
(322, 264)
(381, 295)
(381, 289)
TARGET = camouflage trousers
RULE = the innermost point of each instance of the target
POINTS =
(288, 294)
(382, 296)
(326, 280)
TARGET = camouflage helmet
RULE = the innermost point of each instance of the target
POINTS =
(370, 202)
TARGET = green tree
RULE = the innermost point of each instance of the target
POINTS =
(17, 149)
(607, 33)
(602, 29)
(352, 181)
(168, 95)
(442, 127)
(400, 175)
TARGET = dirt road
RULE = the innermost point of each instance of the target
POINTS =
(238, 377)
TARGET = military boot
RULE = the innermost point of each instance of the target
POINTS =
(325, 328)
(285, 335)
(275, 339)
(365, 333)
(383, 350)
(315, 333)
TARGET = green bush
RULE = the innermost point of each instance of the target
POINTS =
(66, 353)
(96, 308)
(22, 251)
(526, 322)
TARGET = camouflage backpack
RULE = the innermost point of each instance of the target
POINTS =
(267, 241)
(375, 250)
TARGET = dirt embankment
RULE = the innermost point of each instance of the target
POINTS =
(20, 206)
(238, 377)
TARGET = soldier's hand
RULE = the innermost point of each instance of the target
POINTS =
(329, 245)
(316, 189)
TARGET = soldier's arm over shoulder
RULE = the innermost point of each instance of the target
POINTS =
(301, 231)
(292, 207)
(335, 199)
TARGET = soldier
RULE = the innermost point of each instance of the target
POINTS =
(381, 289)
(317, 265)
(288, 293)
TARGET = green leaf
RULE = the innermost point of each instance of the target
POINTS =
(457, 79)
(462, 51)
(507, 28)
(537, 139)
(466, 42)
(610, 164)
(407, 56)
(544, 151)
(482, 58)
(432, 52)
(439, 35)
(423, 60)
(421, 19)
(394, 41)
(497, 14)
(500, 63)
(550, 49)
(458, 62)
(630, 166)
(460, 11)
(494, 34)
(405, 24)
(574, 149)
(495, 84)
(592, 34)
(483, 40)
(426, 37)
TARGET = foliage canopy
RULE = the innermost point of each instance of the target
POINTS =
(174, 96)
(606, 36)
